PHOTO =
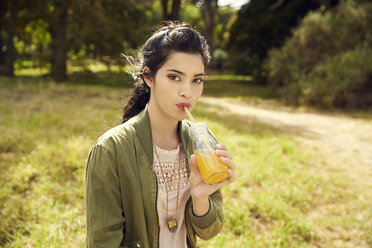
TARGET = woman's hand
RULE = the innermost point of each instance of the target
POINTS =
(199, 190)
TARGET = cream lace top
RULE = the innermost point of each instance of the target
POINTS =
(169, 161)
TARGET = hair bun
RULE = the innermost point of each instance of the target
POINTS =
(171, 25)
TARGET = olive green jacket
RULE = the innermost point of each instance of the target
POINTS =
(121, 190)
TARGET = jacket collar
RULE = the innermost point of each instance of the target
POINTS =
(142, 128)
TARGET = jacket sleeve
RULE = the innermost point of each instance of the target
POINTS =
(210, 224)
(105, 217)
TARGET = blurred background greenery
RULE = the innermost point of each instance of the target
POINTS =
(63, 82)
(314, 52)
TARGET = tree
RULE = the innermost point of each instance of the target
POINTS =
(7, 25)
(224, 19)
(262, 25)
(16, 19)
(208, 12)
(58, 29)
(54, 31)
(55, 15)
(327, 61)
(98, 30)
(175, 11)
(103, 29)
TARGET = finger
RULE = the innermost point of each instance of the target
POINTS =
(194, 165)
(223, 153)
(228, 162)
(228, 180)
(221, 147)
(231, 177)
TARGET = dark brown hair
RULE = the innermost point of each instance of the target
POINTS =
(171, 37)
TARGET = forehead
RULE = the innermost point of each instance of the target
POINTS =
(184, 62)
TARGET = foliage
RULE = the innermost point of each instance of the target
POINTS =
(328, 61)
(262, 25)
(223, 19)
(103, 29)
(99, 30)
(190, 13)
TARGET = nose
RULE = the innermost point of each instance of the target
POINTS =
(185, 91)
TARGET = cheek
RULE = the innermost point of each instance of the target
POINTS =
(165, 91)
(197, 92)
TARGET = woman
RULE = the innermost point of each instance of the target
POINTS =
(143, 186)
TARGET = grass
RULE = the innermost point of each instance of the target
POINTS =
(285, 194)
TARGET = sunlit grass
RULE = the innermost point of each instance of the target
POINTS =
(285, 195)
(29, 68)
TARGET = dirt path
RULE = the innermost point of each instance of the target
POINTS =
(337, 133)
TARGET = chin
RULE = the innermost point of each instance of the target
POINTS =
(181, 116)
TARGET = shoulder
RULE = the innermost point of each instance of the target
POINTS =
(118, 135)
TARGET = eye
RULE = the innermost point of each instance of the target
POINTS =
(174, 77)
(197, 80)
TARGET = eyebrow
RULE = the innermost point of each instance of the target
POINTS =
(180, 72)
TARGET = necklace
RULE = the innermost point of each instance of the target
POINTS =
(172, 223)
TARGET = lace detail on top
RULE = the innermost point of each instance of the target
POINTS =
(169, 160)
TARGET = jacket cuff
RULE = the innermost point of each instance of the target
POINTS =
(205, 220)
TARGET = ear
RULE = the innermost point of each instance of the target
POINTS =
(146, 76)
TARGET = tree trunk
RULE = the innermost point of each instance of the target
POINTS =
(176, 10)
(7, 57)
(208, 13)
(175, 14)
(164, 4)
(10, 51)
(2, 53)
(58, 30)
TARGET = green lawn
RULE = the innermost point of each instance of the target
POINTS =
(285, 194)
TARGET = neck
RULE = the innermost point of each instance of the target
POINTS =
(164, 129)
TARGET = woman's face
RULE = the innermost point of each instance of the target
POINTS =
(177, 84)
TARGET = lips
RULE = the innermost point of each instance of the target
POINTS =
(183, 105)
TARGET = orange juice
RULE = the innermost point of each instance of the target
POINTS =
(212, 169)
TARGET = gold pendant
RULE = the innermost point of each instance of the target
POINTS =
(172, 225)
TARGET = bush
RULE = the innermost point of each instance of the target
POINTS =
(328, 60)
(343, 80)
(264, 24)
